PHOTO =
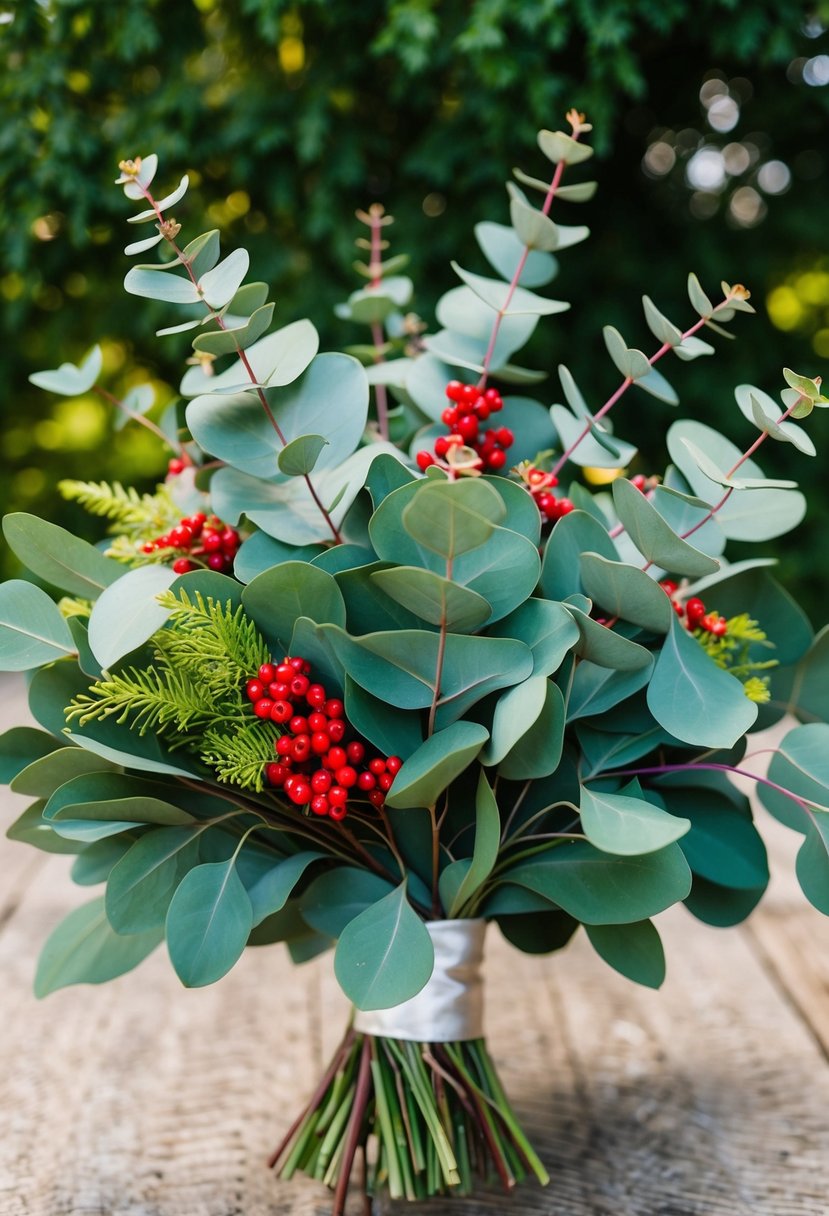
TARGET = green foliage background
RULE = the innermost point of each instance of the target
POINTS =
(289, 116)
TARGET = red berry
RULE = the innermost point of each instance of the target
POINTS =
(301, 749)
(449, 416)
(299, 685)
(281, 711)
(719, 627)
(279, 690)
(336, 758)
(284, 745)
(230, 540)
(254, 689)
(441, 446)
(337, 796)
(394, 764)
(694, 611)
(336, 730)
(319, 804)
(454, 389)
(277, 773)
(148, 546)
(494, 398)
(565, 506)
(338, 812)
(263, 707)
(183, 565)
(298, 725)
(669, 586)
(216, 561)
(211, 542)
(334, 708)
(505, 437)
(356, 752)
(315, 695)
(298, 663)
(181, 536)
(346, 776)
(266, 673)
(377, 765)
(366, 781)
(284, 671)
(467, 428)
(195, 523)
(424, 460)
(469, 394)
(497, 459)
(376, 797)
(321, 781)
(300, 791)
(320, 742)
(385, 781)
(176, 466)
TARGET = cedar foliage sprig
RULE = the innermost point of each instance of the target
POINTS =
(192, 694)
(131, 514)
(732, 652)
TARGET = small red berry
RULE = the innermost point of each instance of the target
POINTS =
(366, 781)
(505, 437)
(334, 708)
(300, 791)
(319, 804)
(281, 711)
(211, 542)
(284, 745)
(565, 506)
(183, 565)
(467, 428)
(320, 742)
(497, 459)
(394, 764)
(263, 707)
(216, 561)
(454, 389)
(337, 796)
(254, 689)
(321, 781)
(719, 627)
(148, 547)
(336, 758)
(298, 663)
(298, 725)
(299, 685)
(356, 752)
(336, 730)
(376, 797)
(266, 673)
(424, 460)
(315, 695)
(441, 446)
(277, 773)
(385, 781)
(338, 812)
(180, 536)
(346, 776)
(279, 690)
(301, 749)
(377, 765)
(694, 611)
(176, 466)
(449, 416)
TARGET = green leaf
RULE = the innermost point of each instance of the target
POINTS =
(546, 627)
(300, 455)
(208, 923)
(239, 337)
(203, 252)
(625, 826)
(169, 200)
(269, 881)
(84, 949)
(691, 348)
(710, 470)
(58, 557)
(633, 364)
(558, 146)
(719, 906)
(219, 286)
(152, 283)
(435, 764)
(451, 518)
(29, 828)
(485, 848)
(434, 599)
(538, 752)
(111, 796)
(496, 294)
(589, 451)
(657, 386)
(764, 412)
(43, 776)
(385, 955)
(21, 746)
(654, 537)
(394, 732)
(276, 598)
(69, 380)
(128, 613)
(515, 712)
(659, 325)
(699, 300)
(533, 227)
(335, 898)
(95, 862)
(634, 950)
(723, 844)
(32, 630)
(595, 689)
(684, 686)
(812, 864)
(260, 552)
(600, 889)
(573, 535)
(800, 765)
(802, 384)
(601, 645)
(142, 883)
(504, 250)
(625, 592)
(278, 358)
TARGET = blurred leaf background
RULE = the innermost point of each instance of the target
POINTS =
(710, 128)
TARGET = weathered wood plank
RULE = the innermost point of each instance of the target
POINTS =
(140, 1098)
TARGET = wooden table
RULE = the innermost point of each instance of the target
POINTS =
(709, 1098)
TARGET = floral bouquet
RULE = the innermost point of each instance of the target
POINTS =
(376, 666)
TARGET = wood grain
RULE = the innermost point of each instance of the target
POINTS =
(708, 1098)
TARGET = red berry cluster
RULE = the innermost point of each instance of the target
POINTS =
(694, 613)
(540, 486)
(209, 541)
(470, 407)
(316, 765)
(177, 465)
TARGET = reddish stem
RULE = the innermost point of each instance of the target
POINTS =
(358, 1109)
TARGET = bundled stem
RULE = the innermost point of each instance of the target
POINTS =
(424, 1119)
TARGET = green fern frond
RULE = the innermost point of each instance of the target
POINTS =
(131, 513)
(149, 699)
(240, 758)
(224, 643)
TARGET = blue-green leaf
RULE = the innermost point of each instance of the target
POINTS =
(208, 923)
(385, 955)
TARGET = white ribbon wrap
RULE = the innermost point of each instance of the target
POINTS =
(450, 1008)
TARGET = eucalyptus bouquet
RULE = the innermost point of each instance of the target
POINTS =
(375, 665)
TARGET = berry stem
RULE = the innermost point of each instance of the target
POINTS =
(219, 319)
